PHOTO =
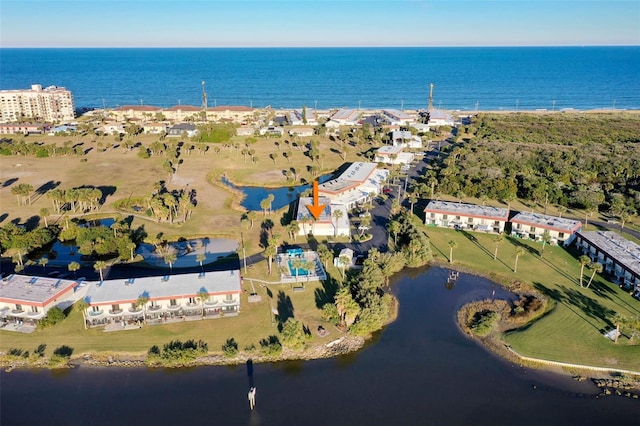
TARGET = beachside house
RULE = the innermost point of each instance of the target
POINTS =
(119, 303)
(393, 155)
(534, 225)
(405, 139)
(394, 116)
(154, 128)
(466, 216)
(183, 128)
(619, 257)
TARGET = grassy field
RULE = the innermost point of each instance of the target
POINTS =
(573, 330)
(121, 174)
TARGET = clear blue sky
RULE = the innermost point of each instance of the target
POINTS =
(216, 23)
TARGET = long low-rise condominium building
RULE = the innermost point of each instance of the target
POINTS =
(52, 104)
(355, 185)
(534, 225)
(619, 257)
(155, 300)
(24, 300)
(466, 216)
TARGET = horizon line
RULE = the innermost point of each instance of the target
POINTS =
(323, 47)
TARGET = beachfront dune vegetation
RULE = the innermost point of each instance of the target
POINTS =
(590, 161)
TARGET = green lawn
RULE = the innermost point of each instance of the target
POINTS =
(573, 330)
(253, 324)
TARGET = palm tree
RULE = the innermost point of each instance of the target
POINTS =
(203, 296)
(452, 244)
(44, 212)
(132, 246)
(99, 266)
(337, 214)
(43, 262)
(170, 258)
(546, 239)
(73, 267)
(251, 215)
(413, 198)
(270, 250)
(365, 222)
(343, 261)
(297, 264)
(201, 257)
(584, 261)
(293, 229)
(497, 240)
(264, 205)
(394, 228)
(326, 255)
(561, 210)
(141, 303)
(519, 252)
(596, 267)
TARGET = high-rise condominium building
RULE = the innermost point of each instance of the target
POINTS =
(51, 104)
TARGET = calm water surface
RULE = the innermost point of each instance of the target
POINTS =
(465, 78)
(420, 370)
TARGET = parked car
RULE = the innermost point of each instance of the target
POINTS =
(386, 191)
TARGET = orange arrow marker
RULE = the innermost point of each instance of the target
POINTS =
(315, 209)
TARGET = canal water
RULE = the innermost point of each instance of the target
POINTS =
(420, 370)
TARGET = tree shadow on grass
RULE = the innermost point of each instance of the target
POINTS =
(285, 309)
(587, 308)
(328, 291)
(474, 240)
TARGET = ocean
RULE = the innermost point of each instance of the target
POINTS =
(466, 79)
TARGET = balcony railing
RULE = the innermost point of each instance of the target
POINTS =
(115, 311)
(96, 313)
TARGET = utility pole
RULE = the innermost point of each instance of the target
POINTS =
(204, 102)
(244, 253)
(430, 97)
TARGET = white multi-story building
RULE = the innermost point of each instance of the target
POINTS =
(619, 256)
(355, 185)
(534, 225)
(25, 300)
(466, 216)
(328, 223)
(51, 104)
(166, 298)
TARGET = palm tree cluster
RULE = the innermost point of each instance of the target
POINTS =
(409, 240)
(82, 199)
(23, 193)
(170, 206)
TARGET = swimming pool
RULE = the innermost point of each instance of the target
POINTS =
(296, 272)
